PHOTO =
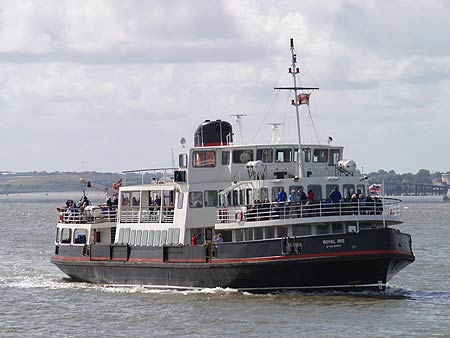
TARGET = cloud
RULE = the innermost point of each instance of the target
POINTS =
(117, 83)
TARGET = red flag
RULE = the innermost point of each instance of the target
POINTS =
(117, 185)
(303, 98)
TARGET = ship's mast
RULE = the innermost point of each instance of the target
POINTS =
(300, 169)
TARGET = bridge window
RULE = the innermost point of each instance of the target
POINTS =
(265, 155)
(242, 156)
(182, 160)
(225, 157)
(283, 155)
(335, 156)
(320, 156)
(204, 158)
(195, 199)
(211, 198)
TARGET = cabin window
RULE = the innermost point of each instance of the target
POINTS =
(138, 237)
(66, 235)
(151, 237)
(163, 237)
(80, 236)
(361, 189)
(125, 198)
(265, 155)
(225, 157)
(259, 233)
(200, 234)
(211, 198)
(348, 190)
(180, 200)
(275, 191)
(120, 239)
(282, 231)
(337, 228)
(335, 156)
(135, 198)
(170, 236)
(238, 197)
(182, 160)
(283, 155)
(263, 193)
(239, 235)
(322, 229)
(157, 238)
(144, 237)
(126, 237)
(133, 237)
(269, 232)
(195, 199)
(176, 236)
(248, 234)
(301, 230)
(242, 156)
(330, 188)
(320, 156)
(204, 158)
(317, 190)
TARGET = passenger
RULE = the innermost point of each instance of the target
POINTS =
(293, 197)
(335, 196)
(84, 202)
(157, 201)
(265, 209)
(219, 238)
(302, 196)
(311, 195)
(293, 201)
(353, 205)
(369, 205)
(282, 199)
(115, 199)
(134, 202)
(109, 202)
(193, 239)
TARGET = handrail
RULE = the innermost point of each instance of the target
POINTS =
(93, 215)
(277, 211)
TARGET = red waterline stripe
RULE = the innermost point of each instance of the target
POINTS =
(65, 258)
(319, 255)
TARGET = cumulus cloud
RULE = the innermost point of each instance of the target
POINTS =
(119, 82)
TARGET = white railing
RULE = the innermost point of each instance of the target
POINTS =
(91, 214)
(152, 214)
(276, 211)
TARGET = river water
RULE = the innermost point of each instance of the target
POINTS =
(36, 300)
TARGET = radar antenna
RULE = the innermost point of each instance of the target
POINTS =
(275, 135)
(237, 118)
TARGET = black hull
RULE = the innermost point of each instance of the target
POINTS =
(364, 261)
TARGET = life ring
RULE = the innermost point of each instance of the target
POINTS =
(239, 215)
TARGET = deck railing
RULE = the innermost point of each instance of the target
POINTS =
(152, 214)
(91, 214)
(276, 211)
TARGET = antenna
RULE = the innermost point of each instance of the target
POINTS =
(275, 135)
(237, 118)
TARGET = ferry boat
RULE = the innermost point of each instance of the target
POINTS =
(253, 217)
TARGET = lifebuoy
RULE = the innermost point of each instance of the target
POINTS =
(239, 215)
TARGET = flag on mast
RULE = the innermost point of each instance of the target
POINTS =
(303, 98)
(117, 184)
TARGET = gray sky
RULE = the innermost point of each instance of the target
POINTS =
(114, 85)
